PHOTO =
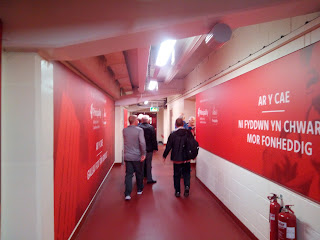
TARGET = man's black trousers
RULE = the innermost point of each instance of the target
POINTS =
(147, 166)
(131, 167)
(178, 169)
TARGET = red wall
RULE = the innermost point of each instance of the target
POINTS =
(0, 102)
(83, 146)
(284, 92)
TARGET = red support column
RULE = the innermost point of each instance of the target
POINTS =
(0, 105)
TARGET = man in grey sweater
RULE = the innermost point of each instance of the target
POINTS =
(134, 155)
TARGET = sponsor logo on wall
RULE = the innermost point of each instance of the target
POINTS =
(203, 115)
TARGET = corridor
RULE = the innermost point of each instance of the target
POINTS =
(157, 214)
(243, 75)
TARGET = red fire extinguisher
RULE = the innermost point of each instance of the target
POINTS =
(287, 224)
(273, 216)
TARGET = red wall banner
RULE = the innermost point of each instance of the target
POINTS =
(83, 146)
(268, 121)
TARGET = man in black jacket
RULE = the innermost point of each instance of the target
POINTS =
(176, 143)
(152, 145)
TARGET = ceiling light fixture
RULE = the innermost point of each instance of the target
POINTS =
(173, 57)
(153, 85)
(146, 102)
(164, 53)
(208, 37)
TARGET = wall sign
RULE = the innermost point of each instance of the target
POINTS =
(83, 146)
(154, 109)
(268, 121)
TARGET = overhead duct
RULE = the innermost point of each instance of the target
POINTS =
(95, 70)
(220, 34)
(137, 62)
(116, 64)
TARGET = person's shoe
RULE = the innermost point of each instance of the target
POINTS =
(139, 192)
(127, 198)
(186, 191)
(151, 182)
(177, 194)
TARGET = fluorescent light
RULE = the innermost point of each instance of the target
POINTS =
(173, 57)
(153, 85)
(146, 102)
(208, 37)
(164, 53)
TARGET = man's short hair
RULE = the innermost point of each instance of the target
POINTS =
(192, 118)
(182, 116)
(179, 122)
(132, 119)
(145, 118)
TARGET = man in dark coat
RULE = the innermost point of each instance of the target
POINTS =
(175, 144)
(151, 144)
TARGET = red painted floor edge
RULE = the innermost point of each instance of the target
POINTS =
(83, 220)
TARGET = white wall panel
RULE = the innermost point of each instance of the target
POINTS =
(118, 137)
(166, 125)
(160, 127)
(27, 148)
(249, 201)
(189, 109)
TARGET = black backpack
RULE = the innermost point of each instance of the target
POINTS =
(191, 147)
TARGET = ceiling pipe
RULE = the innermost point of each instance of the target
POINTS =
(218, 36)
